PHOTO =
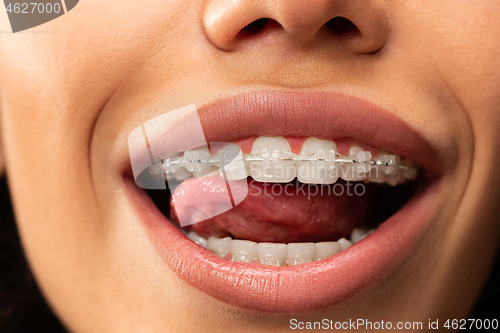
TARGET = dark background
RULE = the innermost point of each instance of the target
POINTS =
(23, 309)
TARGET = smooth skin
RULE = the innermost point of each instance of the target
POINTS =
(73, 89)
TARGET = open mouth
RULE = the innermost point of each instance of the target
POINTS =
(329, 195)
(305, 201)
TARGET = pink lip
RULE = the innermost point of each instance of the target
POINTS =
(319, 114)
(317, 285)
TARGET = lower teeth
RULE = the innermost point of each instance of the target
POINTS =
(275, 254)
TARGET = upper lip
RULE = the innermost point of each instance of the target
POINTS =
(317, 114)
(326, 116)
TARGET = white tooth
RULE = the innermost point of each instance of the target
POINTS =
(326, 249)
(344, 244)
(409, 173)
(169, 168)
(202, 169)
(355, 171)
(189, 156)
(391, 180)
(300, 253)
(376, 175)
(243, 250)
(348, 172)
(169, 177)
(272, 254)
(181, 174)
(401, 177)
(272, 170)
(219, 246)
(318, 172)
(397, 178)
(235, 169)
(321, 155)
(331, 156)
(358, 234)
(392, 160)
(197, 239)
(363, 158)
(155, 169)
(366, 158)
(275, 158)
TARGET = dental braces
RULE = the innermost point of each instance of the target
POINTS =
(193, 161)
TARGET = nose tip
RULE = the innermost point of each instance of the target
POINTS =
(362, 24)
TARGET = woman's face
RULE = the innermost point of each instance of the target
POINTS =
(71, 95)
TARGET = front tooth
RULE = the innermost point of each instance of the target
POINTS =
(326, 249)
(272, 169)
(331, 156)
(318, 171)
(182, 173)
(344, 244)
(358, 234)
(355, 171)
(197, 239)
(300, 253)
(235, 167)
(219, 246)
(272, 254)
(243, 250)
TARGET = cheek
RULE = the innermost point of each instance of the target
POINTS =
(462, 43)
(54, 87)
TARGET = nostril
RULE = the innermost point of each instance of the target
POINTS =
(340, 25)
(256, 26)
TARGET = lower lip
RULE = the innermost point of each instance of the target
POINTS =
(293, 289)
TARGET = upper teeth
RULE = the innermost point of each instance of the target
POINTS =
(271, 160)
(319, 169)
(272, 167)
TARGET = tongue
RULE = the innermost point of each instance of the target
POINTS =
(278, 213)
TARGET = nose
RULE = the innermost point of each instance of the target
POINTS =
(356, 26)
